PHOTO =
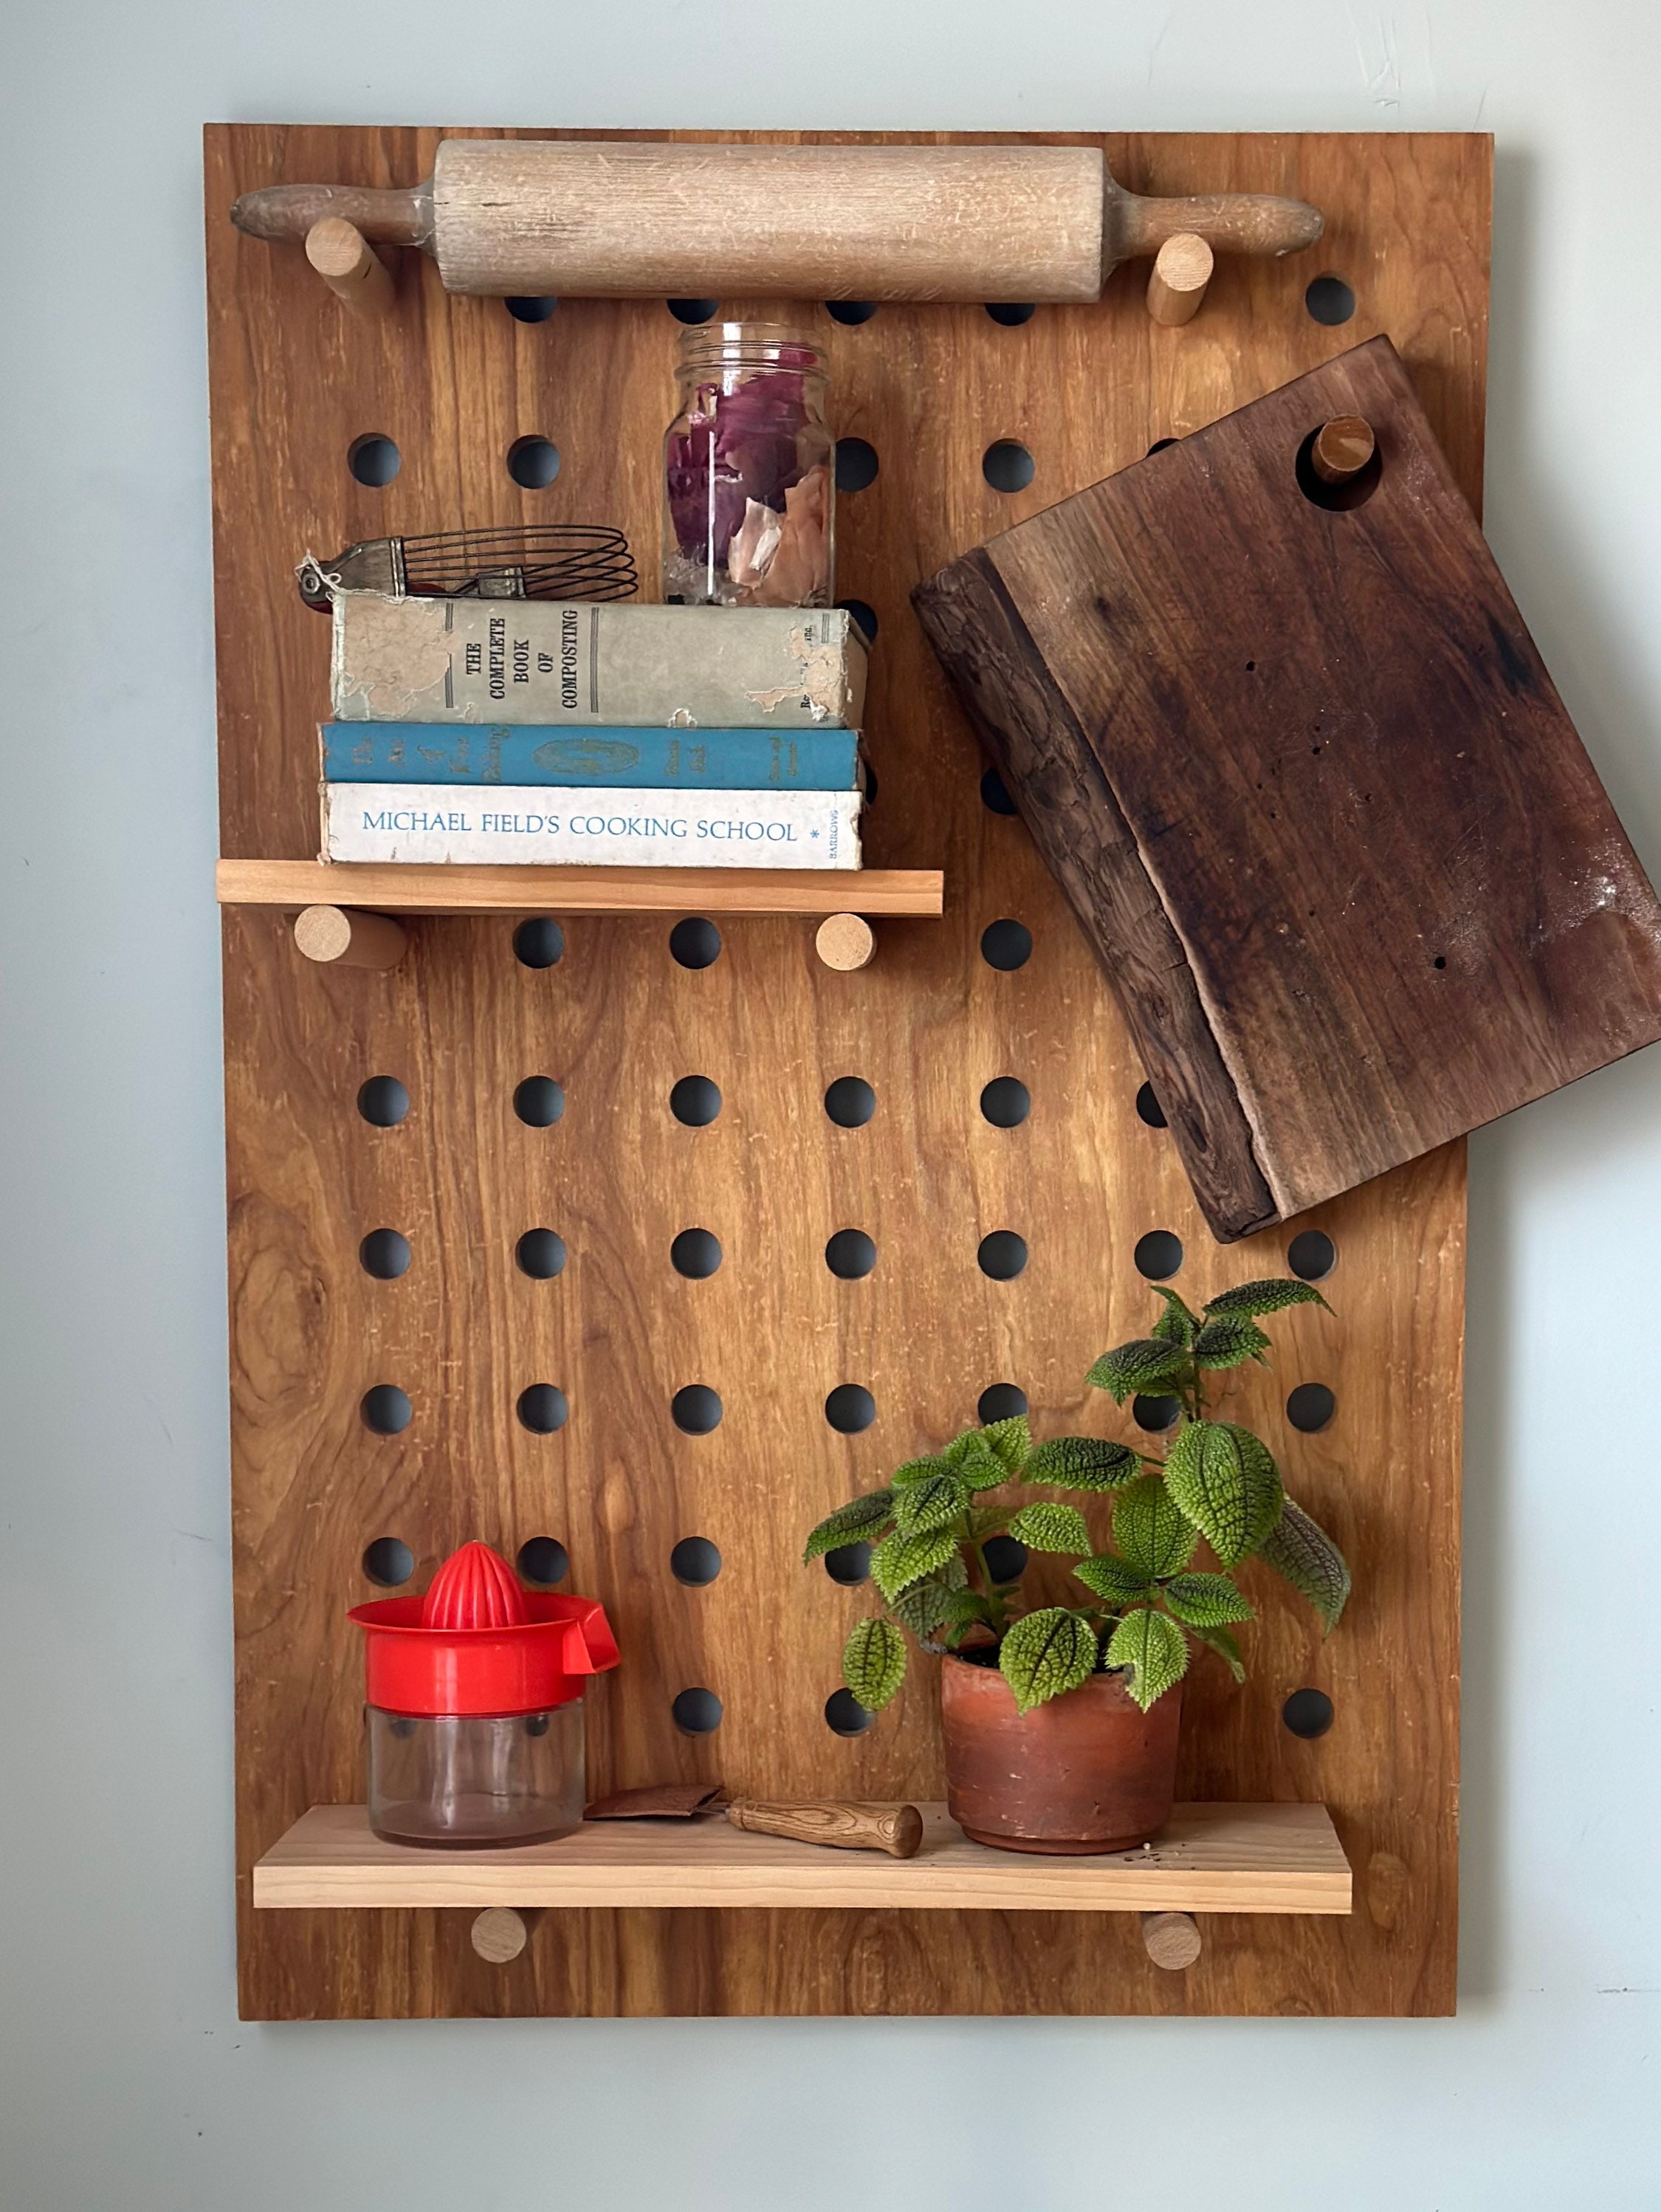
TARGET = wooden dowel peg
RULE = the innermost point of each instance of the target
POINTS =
(845, 941)
(1172, 1940)
(349, 266)
(498, 1934)
(340, 937)
(895, 1829)
(1181, 271)
(1342, 449)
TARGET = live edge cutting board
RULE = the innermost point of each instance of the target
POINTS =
(1311, 793)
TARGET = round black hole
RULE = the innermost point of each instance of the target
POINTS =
(385, 1409)
(856, 464)
(1149, 1109)
(1002, 1255)
(695, 942)
(1441, 960)
(1155, 1414)
(1307, 1713)
(388, 1562)
(697, 1712)
(1159, 445)
(995, 793)
(540, 1254)
(384, 1254)
(851, 1254)
(384, 1101)
(1006, 1102)
(850, 311)
(696, 1254)
(1310, 1407)
(1006, 1558)
(696, 1408)
(539, 942)
(1158, 1255)
(1311, 1254)
(850, 1102)
(1006, 944)
(692, 311)
(1007, 465)
(539, 1101)
(373, 459)
(695, 1101)
(533, 462)
(543, 1407)
(849, 1563)
(543, 1559)
(526, 310)
(845, 1715)
(864, 614)
(695, 1561)
(1011, 313)
(1330, 301)
(850, 1408)
(1001, 1401)
(1337, 499)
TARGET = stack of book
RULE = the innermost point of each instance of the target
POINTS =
(517, 730)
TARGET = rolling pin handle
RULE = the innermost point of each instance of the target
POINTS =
(1231, 223)
(285, 213)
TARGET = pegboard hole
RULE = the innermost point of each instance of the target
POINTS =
(1006, 1102)
(695, 1101)
(695, 942)
(1007, 465)
(1307, 1713)
(541, 1254)
(1159, 445)
(697, 1712)
(385, 1409)
(995, 794)
(1158, 1255)
(539, 1101)
(1155, 1414)
(850, 312)
(851, 1254)
(544, 1407)
(383, 1101)
(692, 311)
(539, 942)
(864, 614)
(856, 464)
(1337, 499)
(849, 1565)
(1149, 1109)
(1006, 944)
(1330, 301)
(850, 1102)
(526, 309)
(388, 1562)
(1005, 1557)
(696, 1409)
(543, 1559)
(845, 1715)
(850, 1408)
(1441, 960)
(385, 1255)
(695, 1254)
(695, 1561)
(1312, 1255)
(1001, 1401)
(1001, 1255)
(1011, 312)
(1310, 1407)
(373, 459)
(533, 462)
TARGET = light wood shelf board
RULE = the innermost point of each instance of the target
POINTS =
(413, 888)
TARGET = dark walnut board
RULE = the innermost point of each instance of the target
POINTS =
(1292, 755)
(460, 1022)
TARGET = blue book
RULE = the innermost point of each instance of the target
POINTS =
(625, 759)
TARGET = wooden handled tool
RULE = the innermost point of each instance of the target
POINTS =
(589, 217)
(896, 1829)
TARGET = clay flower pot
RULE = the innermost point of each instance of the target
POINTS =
(1089, 1772)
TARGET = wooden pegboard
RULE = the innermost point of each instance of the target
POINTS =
(617, 1022)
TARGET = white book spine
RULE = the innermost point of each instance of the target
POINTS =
(436, 822)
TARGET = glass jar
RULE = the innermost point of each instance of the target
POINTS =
(749, 472)
(473, 1778)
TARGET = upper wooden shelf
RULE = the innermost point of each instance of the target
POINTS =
(1211, 1858)
(414, 888)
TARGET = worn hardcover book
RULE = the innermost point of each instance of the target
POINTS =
(543, 661)
(623, 759)
(437, 822)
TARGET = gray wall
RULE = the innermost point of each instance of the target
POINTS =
(125, 2079)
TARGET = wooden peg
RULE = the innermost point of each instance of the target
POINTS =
(1181, 272)
(845, 941)
(1172, 1940)
(895, 1829)
(349, 266)
(340, 937)
(1342, 449)
(498, 1934)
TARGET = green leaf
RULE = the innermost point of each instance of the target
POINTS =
(1149, 1530)
(1117, 1580)
(900, 1560)
(1176, 1325)
(1225, 1482)
(1220, 1640)
(1273, 1296)
(858, 1522)
(1083, 1463)
(1229, 1341)
(1146, 1364)
(874, 1662)
(973, 1458)
(1300, 1549)
(917, 1470)
(1045, 1653)
(1206, 1601)
(1010, 1442)
(1153, 1651)
(1049, 1527)
(933, 1504)
(926, 1604)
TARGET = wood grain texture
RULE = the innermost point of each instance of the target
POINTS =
(1319, 746)
(460, 1023)
(407, 888)
(1211, 1858)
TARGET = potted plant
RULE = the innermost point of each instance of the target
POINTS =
(1060, 1723)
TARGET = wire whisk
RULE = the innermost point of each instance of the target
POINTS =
(560, 560)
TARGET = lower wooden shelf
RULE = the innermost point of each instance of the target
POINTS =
(415, 887)
(1211, 1858)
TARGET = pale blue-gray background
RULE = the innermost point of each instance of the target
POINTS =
(125, 2079)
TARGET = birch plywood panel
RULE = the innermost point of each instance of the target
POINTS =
(618, 1023)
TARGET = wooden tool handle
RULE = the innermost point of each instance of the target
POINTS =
(1230, 222)
(284, 214)
(896, 1829)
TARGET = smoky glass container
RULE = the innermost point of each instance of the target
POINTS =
(471, 1779)
(749, 472)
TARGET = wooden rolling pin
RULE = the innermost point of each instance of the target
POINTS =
(587, 218)
(896, 1829)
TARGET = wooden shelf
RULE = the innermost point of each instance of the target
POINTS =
(1211, 1858)
(414, 888)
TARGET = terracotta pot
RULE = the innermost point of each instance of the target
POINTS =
(1086, 1772)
